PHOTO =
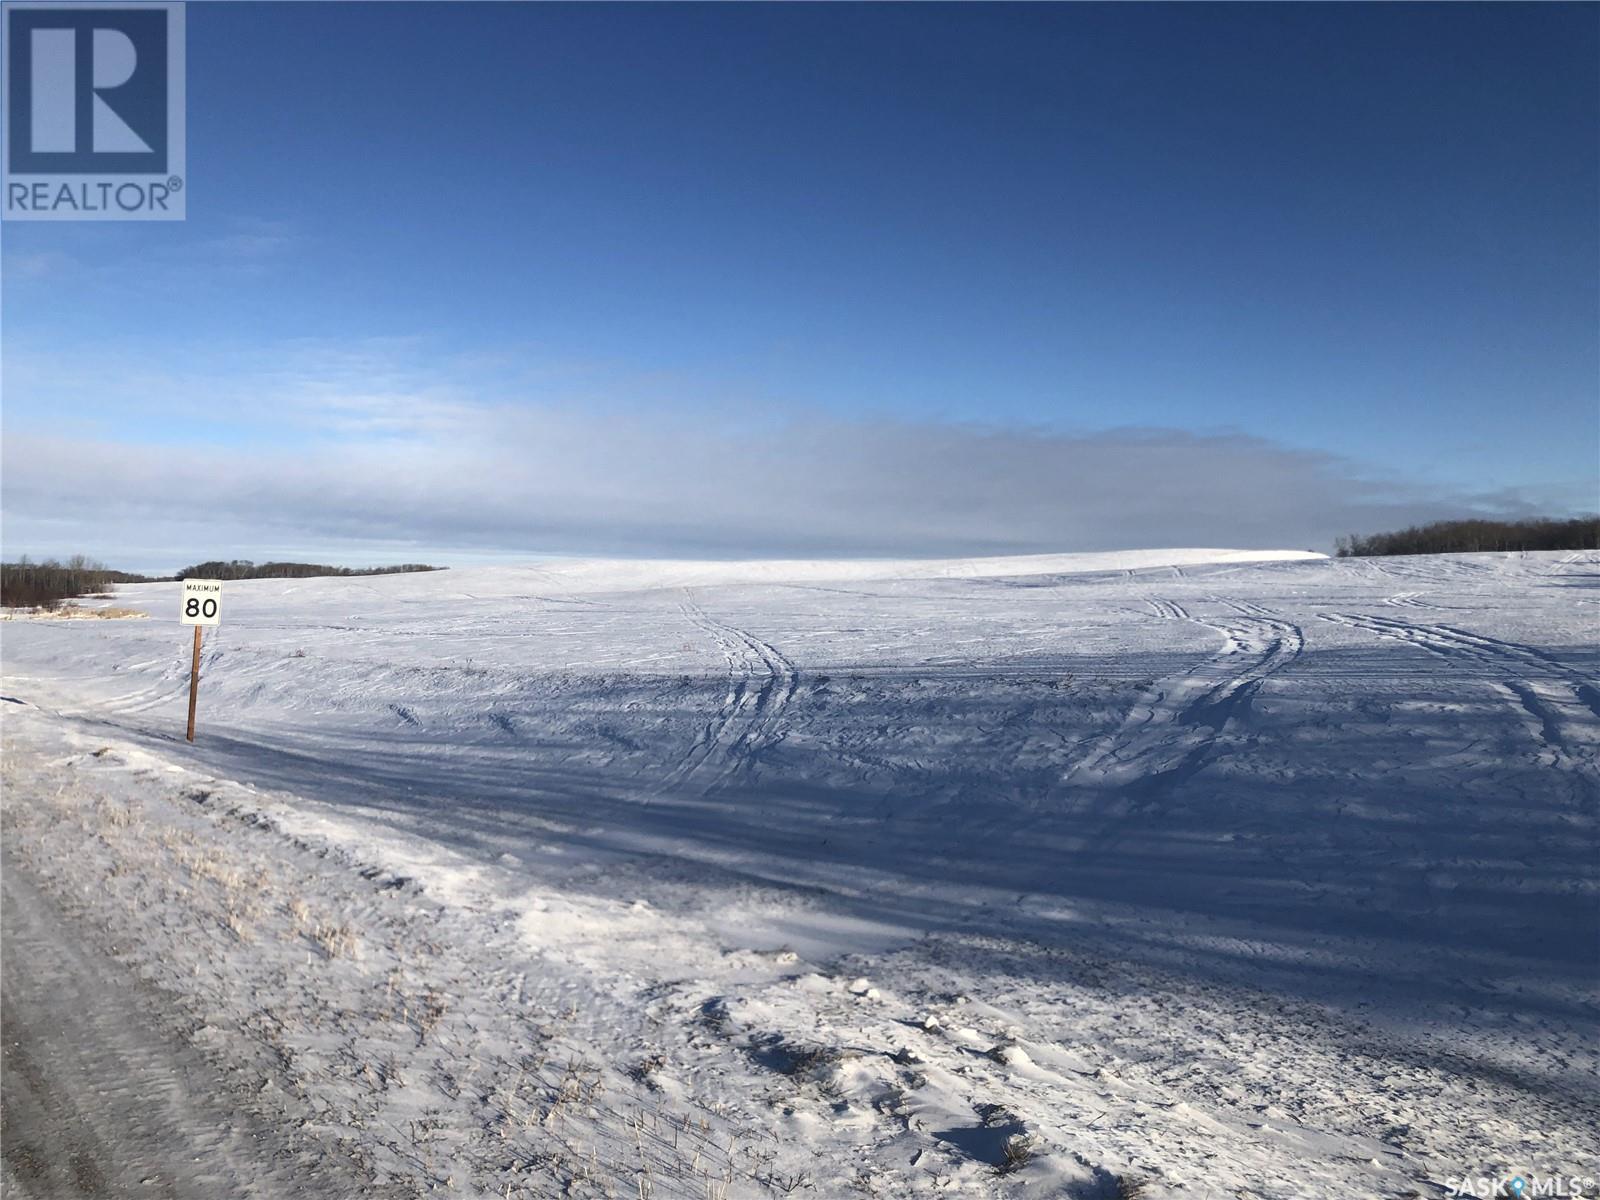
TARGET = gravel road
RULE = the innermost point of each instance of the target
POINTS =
(97, 1099)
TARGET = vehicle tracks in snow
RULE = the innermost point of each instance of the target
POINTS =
(1169, 610)
(1562, 704)
(1171, 731)
(1409, 600)
(1446, 641)
(761, 682)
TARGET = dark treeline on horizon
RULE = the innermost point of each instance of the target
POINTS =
(25, 584)
(243, 568)
(1474, 536)
(45, 584)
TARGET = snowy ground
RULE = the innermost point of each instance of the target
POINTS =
(1157, 874)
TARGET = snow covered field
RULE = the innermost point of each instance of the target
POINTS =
(1163, 873)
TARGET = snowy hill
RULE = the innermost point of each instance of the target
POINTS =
(1032, 876)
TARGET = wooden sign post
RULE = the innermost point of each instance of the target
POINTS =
(202, 605)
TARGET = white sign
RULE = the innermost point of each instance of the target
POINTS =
(202, 601)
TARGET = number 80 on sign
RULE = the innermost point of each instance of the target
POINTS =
(202, 601)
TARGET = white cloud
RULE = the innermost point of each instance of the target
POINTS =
(389, 456)
(558, 482)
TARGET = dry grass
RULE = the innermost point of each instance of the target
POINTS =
(1016, 1154)
(434, 1007)
(74, 612)
(337, 941)
(111, 814)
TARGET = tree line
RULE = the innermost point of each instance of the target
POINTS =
(27, 584)
(243, 568)
(49, 582)
(1474, 536)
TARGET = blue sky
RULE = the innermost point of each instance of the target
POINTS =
(914, 279)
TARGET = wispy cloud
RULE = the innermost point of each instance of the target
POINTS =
(251, 239)
(108, 256)
(40, 264)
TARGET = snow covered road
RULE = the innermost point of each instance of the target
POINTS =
(1020, 877)
(101, 1099)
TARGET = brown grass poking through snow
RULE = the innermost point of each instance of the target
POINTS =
(75, 612)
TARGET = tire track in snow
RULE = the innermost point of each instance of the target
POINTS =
(1447, 640)
(1409, 600)
(1563, 705)
(1172, 729)
(1247, 608)
(761, 682)
(1169, 610)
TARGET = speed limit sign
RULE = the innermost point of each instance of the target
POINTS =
(202, 601)
(202, 605)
